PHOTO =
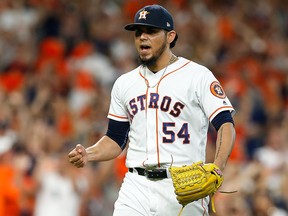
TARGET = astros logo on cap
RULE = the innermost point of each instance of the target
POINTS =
(142, 14)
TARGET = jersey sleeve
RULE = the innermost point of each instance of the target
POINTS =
(117, 110)
(212, 96)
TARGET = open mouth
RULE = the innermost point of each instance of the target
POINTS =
(144, 47)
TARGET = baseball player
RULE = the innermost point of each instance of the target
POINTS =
(161, 110)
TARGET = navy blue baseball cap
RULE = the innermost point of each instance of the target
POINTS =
(153, 16)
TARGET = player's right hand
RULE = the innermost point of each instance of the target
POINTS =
(78, 156)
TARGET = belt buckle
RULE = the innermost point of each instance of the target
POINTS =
(150, 173)
(146, 173)
(154, 174)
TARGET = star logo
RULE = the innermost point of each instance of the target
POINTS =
(143, 14)
(217, 90)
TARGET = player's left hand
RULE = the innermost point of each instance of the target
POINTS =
(196, 181)
(78, 156)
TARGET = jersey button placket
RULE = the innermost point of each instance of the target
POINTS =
(151, 129)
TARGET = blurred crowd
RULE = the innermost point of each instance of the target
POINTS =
(58, 61)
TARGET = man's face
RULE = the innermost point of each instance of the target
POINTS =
(150, 43)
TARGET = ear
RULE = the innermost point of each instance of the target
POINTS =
(171, 36)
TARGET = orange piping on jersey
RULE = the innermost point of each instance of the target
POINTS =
(121, 117)
(146, 108)
(146, 80)
(157, 132)
(146, 101)
(219, 109)
(157, 135)
(141, 74)
(171, 73)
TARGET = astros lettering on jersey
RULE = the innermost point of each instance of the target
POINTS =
(158, 106)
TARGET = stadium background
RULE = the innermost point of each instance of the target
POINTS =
(58, 61)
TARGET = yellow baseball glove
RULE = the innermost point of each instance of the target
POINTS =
(196, 181)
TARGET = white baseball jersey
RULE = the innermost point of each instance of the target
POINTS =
(169, 112)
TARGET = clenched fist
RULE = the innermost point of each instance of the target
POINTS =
(78, 156)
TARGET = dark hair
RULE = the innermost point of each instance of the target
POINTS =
(173, 43)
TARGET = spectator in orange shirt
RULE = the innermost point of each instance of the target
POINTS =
(9, 192)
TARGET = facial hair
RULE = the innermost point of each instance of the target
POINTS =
(152, 61)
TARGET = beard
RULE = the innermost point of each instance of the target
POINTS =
(152, 61)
